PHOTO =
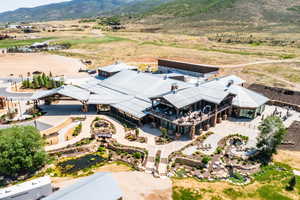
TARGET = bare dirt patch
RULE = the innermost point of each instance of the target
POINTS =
(291, 158)
(21, 64)
(138, 185)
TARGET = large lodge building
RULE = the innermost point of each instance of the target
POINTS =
(179, 97)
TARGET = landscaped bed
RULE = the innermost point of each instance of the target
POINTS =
(134, 136)
(101, 127)
(73, 166)
(164, 138)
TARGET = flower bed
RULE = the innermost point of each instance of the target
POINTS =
(102, 126)
(134, 137)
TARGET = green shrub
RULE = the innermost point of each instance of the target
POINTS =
(137, 155)
(185, 194)
(206, 159)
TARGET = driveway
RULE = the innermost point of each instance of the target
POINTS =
(14, 95)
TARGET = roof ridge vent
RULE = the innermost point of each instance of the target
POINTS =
(174, 87)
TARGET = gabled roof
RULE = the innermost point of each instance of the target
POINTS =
(246, 98)
(95, 187)
(66, 90)
(117, 67)
(223, 83)
(185, 97)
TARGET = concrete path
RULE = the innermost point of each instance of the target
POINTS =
(86, 133)
(62, 132)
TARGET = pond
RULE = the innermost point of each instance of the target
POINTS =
(78, 164)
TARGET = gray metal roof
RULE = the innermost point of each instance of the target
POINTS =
(106, 98)
(142, 84)
(223, 83)
(117, 67)
(131, 91)
(98, 186)
(185, 97)
(246, 98)
(135, 106)
(66, 90)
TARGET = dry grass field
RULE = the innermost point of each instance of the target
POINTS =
(291, 158)
(141, 48)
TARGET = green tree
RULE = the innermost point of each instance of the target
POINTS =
(35, 82)
(40, 81)
(21, 151)
(292, 183)
(272, 131)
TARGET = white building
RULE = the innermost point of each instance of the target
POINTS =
(30, 190)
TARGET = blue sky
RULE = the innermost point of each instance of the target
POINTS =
(7, 5)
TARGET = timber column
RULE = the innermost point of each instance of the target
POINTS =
(85, 107)
(214, 118)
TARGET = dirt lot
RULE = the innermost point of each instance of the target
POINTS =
(18, 64)
(138, 185)
(135, 185)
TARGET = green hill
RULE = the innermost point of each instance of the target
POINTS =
(186, 16)
(67, 10)
(225, 15)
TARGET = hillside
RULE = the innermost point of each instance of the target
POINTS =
(225, 15)
(67, 10)
(177, 16)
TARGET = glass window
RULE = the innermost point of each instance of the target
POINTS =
(248, 113)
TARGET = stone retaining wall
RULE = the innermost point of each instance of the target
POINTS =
(130, 150)
(188, 162)
(92, 147)
(284, 104)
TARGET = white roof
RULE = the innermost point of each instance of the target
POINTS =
(66, 90)
(98, 186)
(119, 66)
(246, 98)
(24, 187)
(141, 84)
(188, 96)
(135, 106)
(223, 83)
(131, 92)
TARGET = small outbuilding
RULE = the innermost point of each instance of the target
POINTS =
(110, 70)
(31, 190)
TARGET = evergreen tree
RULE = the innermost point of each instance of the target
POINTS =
(35, 82)
(292, 183)
(40, 81)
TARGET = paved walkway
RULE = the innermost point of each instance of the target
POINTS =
(64, 131)
(86, 133)
(166, 149)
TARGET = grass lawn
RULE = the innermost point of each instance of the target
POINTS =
(92, 40)
(13, 43)
(268, 184)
